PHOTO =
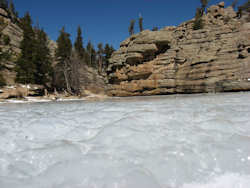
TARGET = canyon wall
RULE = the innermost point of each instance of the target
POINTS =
(182, 60)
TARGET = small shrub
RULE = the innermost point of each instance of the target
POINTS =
(6, 40)
(155, 29)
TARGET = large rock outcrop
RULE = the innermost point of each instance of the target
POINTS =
(182, 60)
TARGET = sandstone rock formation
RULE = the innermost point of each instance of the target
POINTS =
(182, 60)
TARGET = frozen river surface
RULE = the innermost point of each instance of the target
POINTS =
(183, 141)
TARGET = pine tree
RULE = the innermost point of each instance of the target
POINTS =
(204, 4)
(155, 29)
(4, 4)
(244, 9)
(90, 55)
(63, 54)
(198, 22)
(79, 44)
(100, 56)
(42, 59)
(25, 66)
(13, 12)
(141, 23)
(108, 50)
(64, 46)
(131, 27)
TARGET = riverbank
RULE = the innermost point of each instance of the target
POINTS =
(53, 98)
(36, 93)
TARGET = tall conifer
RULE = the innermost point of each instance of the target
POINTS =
(141, 23)
(131, 27)
(42, 58)
(63, 54)
(25, 65)
(90, 55)
(108, 50)
(79, 43)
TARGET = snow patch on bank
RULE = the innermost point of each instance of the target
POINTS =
(39, 100)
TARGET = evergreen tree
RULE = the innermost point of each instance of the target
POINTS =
(63, 54)
(204, 4)
(34, 65)
(131, 27)
(198, 22)
(79, 44)
(4, 4)
(100, 49)
(25, 65)
(64, 46)
(90, 55)
(100, 56)
(155, 29)
(108, 50)
(141, 23)
(13, 12)
(42, 58)
(245, 8)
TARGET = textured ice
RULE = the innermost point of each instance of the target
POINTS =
(181, 141)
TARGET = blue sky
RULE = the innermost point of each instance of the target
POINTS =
(106, 21)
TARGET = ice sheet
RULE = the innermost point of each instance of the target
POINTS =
(179, 141)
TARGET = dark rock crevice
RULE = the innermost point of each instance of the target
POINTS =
(162, 48)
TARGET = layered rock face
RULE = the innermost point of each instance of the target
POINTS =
(182, 60)
(15, 35)
(92, 81)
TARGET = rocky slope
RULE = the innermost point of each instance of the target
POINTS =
(89, 79)
(182, 60)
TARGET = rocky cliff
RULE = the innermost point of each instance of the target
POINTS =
(9, 30)
(182, 60)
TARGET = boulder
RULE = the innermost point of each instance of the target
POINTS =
(18, 92)
(3, 12)
(21, 91)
